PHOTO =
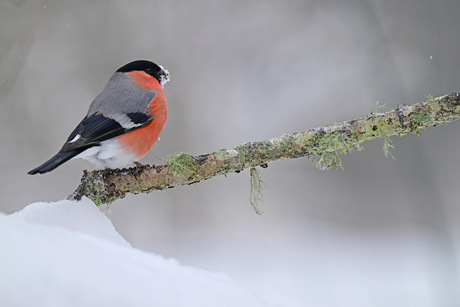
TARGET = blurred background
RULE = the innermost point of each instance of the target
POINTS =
(382, 232)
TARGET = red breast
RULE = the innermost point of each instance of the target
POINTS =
(141, 140)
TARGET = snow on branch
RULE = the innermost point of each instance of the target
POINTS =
(324, 144)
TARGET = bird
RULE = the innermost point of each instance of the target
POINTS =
(123, 122)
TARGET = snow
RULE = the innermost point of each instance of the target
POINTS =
(68, 253)
(83, 217)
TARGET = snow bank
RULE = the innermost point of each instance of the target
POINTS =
(69, 254)
(83, 217)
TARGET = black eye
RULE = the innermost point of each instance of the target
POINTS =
(152, 71)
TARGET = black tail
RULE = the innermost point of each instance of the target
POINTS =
(55, 161)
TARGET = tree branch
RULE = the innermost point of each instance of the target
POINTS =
(324, 144)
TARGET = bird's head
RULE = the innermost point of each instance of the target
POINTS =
(152, 69)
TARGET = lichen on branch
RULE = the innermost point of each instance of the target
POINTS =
(325, 144)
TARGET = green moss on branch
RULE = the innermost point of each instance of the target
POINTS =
(324, 143)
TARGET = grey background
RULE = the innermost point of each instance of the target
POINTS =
(382, 232)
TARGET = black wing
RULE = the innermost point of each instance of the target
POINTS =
(96, 128)
(91, 131)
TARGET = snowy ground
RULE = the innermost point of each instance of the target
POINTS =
(69, 254)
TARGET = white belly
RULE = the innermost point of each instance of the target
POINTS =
(108, 155)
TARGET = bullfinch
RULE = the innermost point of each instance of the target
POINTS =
(123, 121)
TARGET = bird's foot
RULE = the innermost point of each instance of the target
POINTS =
(138, 164)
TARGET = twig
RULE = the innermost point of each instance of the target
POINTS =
(325, 143)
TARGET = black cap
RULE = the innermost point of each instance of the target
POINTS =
(143, 65)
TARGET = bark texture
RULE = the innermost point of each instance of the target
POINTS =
(325, 144)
